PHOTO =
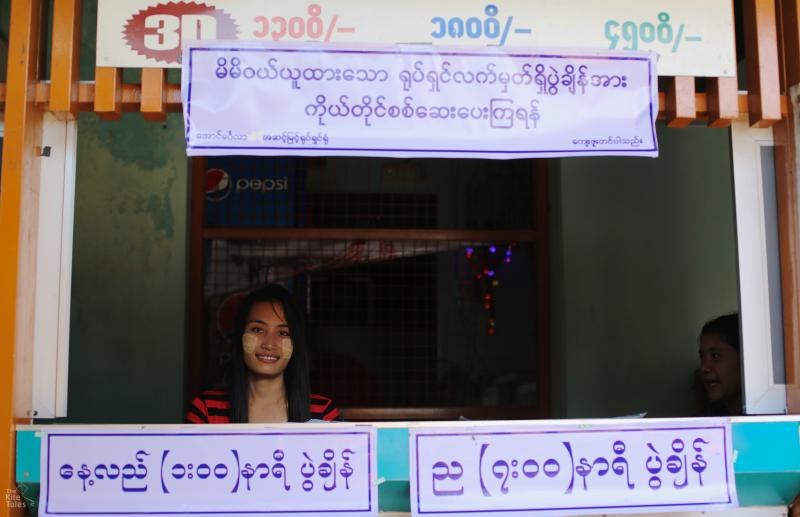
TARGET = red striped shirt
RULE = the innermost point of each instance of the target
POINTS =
(214, 407)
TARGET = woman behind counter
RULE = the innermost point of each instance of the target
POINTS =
(720, 367)
(269, 381)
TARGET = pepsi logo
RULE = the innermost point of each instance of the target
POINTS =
(218, 185)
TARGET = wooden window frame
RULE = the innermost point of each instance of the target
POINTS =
(537, 235)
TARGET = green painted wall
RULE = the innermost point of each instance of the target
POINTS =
(129, 278)
(643, 254)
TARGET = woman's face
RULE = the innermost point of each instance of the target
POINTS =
(267, 342)
(720, 368)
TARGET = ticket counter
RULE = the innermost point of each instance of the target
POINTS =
(162, 227)
(765, 477)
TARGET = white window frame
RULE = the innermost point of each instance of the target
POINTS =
(756, 243)
(54, 267)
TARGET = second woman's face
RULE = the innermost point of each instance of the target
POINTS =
(267, 342)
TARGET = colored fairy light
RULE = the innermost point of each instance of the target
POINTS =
(492, 249)
(495, 283)
(487, 297)
(490, 273)
(508, 252)
(487, 306)
(491, 331)
(507, 260)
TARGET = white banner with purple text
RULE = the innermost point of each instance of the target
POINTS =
(319, 470)
(595, 468)
(256, 98)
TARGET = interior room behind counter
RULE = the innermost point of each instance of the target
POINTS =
(639, 253)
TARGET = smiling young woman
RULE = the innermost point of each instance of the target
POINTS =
(269, 380)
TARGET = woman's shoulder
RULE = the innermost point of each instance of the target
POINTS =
(212, 406)
(214, 394)
(323, 408)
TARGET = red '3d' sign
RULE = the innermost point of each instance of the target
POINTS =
(159, 31)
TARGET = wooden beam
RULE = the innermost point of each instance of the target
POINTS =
(701, 102)
(790, 40)
(18, 218)
(371, 234)
(786, 181)
(65, 59)
(723, 101)
(761, 48)
(195, 346)
(541, 272)
(681, 109)
(132, 95)
(789, 245)
(108, 92)
(153, 102)
(373, 414)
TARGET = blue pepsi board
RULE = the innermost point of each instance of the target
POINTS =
(252, 190)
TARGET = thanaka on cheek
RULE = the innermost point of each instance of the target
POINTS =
(249, 343)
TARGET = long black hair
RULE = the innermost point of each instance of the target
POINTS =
(295, 377)
(726, 327)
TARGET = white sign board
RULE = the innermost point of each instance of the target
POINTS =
(404, 101)
(289, 471)
(592, 469)
(692, 38)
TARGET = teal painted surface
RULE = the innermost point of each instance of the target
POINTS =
(757, 450)
(393, 454)
(28, 452)
(775, 489)
(394, 496)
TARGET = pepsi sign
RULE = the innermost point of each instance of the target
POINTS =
(251, 191)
